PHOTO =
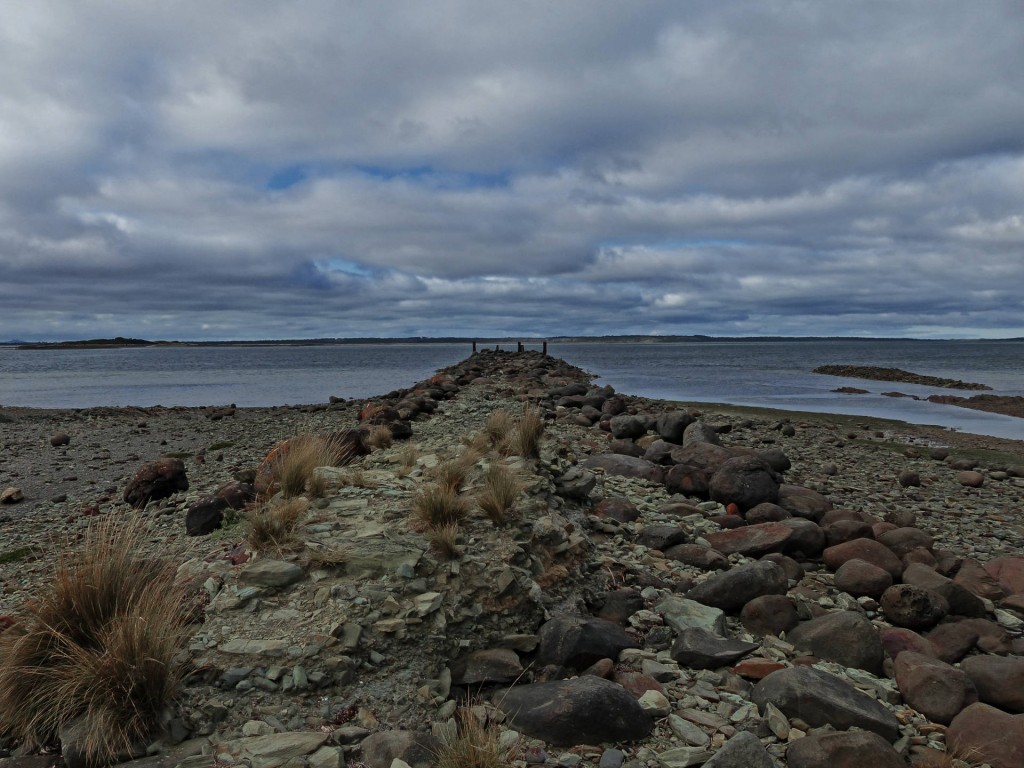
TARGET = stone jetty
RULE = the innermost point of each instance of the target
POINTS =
(673, 587)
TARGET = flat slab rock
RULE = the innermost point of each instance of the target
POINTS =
(819, 699)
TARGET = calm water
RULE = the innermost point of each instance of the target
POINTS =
(758, 373)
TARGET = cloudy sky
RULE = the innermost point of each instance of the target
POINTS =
(241, 170)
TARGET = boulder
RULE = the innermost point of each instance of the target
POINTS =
(626, 426)
(869, 550)
(699, 432)
(807, 539)
(905, 605)
(1008, 571)
(861, 578)
(487, 665)
(961, 601)
(999, 680)
(205, 516)
(699, 649)
(766, 512)
(935, 689)
(699, 556)
(903, 540)
(769, 615)
(687, 479)
(820, 699)
(743, 750)
(732, 589)
(661, 537)
(846, 749)
(156, 480)
(845, 637)
(583, 710)
(975, 578)
(577, 642)
(709, 456)
(682, 614)
(625, 466)
(670, 426)
(988, 735)
(803, 502)
(751, 540)
(416, 749)
(745, 481)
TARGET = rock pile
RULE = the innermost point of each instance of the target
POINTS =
(676, 588)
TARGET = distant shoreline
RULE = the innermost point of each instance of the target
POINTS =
(129, 343)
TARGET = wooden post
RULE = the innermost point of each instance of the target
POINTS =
(544, 351)
(519, 346)
(474, 347)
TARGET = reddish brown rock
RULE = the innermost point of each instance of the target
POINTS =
(896, 640)
(745, 481)
(766, 513)
(845, 637)
(619, 509)
(935, 689)
(869, 550)
(1008, 572)
(698, 556)
(757, 669)
(975, 577)
(861, 578)
(952, 641)
(999, 680)
(769, 615)
(989, 735)
(751, 540)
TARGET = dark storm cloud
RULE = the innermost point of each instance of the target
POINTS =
(269, 170)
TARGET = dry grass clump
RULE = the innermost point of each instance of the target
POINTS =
(327, 557)
(498, 426)
(476, 744)
(275, 526)
(500, 492)
(437, 505)
(379, 437)
(452, 474)
(444, 540)
(407, 457)
(524, 439)
(99, 649)
(294, 469)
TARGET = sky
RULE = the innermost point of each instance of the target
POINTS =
(305, 169)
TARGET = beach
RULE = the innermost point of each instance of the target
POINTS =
(392, 639)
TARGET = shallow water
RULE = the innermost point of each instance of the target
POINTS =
(774, 374)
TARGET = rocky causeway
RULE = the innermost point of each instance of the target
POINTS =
(675, 586)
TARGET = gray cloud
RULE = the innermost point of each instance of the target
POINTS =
(323, 169)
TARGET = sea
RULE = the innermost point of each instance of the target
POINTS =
(765, 373)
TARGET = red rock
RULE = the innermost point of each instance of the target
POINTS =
(859, 578)
(975, 577)
(935, 689)
(751, 539)
(1008, 572)
(869, 550)
(847, 749)
(989, 735)
(999, 680)
(913, 607)
(755, 669)
(896, 640)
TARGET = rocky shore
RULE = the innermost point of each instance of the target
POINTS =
(675, 587)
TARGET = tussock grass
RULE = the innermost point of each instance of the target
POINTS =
(294, 470)
(524, 439)
(437, 505)
(444, 540)
(99, 648)
(379, 437)
(476, 744)
(327, 557)
(407, 457)
(498, 426)
(452, 474)
(500, 492)
(274, 527)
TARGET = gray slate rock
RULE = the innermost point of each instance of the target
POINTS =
(699, 649)
(270, 573)
(583, 710)
(819, 698)
(845, 637)
(417, 749)
(847, 749)
(732, 589)
(577, 642)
